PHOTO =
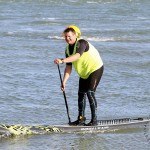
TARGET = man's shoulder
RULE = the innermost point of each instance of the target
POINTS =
(82, 41)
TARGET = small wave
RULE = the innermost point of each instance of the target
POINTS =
(103, 2)
(91, 2)
(56, 37)
(14, 130)
(49, 18)
(95, 39)
(10, 33)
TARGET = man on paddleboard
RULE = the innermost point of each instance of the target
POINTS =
(89, 66)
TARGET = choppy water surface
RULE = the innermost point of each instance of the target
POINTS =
(30, 33)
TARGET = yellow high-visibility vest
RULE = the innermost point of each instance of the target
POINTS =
(89, 61)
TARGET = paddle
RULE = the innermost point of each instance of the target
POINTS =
(64, 94)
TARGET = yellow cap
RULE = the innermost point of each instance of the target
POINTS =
(77, 30)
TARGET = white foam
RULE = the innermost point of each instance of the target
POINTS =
(10, 33)
(56, 37)
(49, 18)
(98, 39)
(91, 2)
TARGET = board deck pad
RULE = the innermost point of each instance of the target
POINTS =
(102, 126)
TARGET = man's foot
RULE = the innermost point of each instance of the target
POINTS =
(79, 122)
(92, 123)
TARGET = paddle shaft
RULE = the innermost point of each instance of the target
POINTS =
(64, 94)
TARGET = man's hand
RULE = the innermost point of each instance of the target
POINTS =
(63, 87)
(58, 61)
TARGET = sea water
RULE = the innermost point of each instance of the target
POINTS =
(30, 40)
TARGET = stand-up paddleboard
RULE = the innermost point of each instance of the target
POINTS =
(106, 125)
(102, 126)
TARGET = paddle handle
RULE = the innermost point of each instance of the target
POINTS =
(64, 94)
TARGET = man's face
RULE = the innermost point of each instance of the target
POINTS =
(70, 37)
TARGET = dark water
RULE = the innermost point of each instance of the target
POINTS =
(30, 93)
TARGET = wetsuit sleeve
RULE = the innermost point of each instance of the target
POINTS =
(82, 46)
